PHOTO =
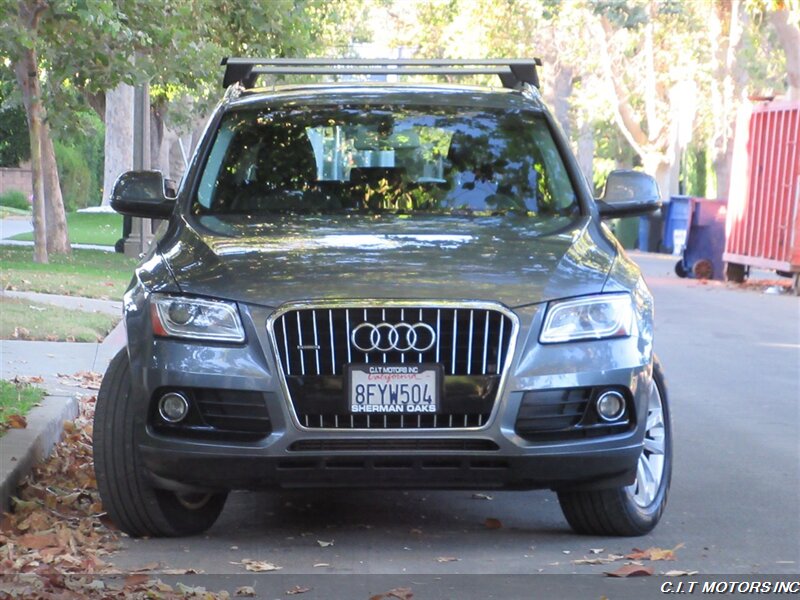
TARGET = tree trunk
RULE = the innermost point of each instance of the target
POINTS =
(585, 152)
(558, 96)
(726, 27)
(789, 36)
(659, 167)
(119, 137)
(57, 240)
(27, 72)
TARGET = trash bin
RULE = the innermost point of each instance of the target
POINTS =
(650, 232)
(705, 242)
(626, 231)
(676, 223)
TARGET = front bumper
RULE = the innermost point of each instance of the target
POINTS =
(493, 455)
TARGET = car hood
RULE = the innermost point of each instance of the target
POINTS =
(513, 260)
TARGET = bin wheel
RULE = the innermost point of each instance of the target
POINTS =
(680, 270)
(703, 269)
(735, 272)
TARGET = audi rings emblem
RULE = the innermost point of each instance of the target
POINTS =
(401, 337)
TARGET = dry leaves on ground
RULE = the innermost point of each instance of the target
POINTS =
(49, 584)
(298, 589)
(631, 571)
(56, 541)
(653, 553)
(20, 380)
(491, 523)
(16, 422)
(598, 560)
(401, 593)
(86, 379)
(55, 520)
(257, 566)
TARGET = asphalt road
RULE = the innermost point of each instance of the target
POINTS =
(732, 359)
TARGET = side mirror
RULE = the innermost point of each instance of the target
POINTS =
(629, 194)
(141, 194)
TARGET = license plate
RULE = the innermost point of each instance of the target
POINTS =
(394, 389)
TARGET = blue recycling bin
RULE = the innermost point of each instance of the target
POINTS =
(705, 242)
(678, 212)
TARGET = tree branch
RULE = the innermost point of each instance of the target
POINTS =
(789, 36)
(626, 116)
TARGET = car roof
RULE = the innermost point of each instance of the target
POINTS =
(322, 94)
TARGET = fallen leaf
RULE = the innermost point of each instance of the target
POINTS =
(399, 593)
(481, 497)
(16, 422)
(187, 590)
(246, 591)
(325, 544)
(20, 333)
(37, 542)
(631, 571)
(259, 566)
(599, 560)
(653, 553)
(680, 573)
(298, 589)
(491, 523)
(136, 579)
(182, 571)
(444, 559)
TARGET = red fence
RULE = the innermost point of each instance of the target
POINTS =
(763, 223)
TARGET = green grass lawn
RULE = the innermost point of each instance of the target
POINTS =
(16, 400)
(89, 273)
(9, 211)
(103, 229)
(25, 320)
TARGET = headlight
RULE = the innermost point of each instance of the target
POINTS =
(589, 318)
(195, 318)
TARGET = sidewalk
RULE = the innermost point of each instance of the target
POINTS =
(22, 449)
(11, 226)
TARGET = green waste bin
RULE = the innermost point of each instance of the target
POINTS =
(626, 231)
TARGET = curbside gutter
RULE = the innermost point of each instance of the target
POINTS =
(22, 449)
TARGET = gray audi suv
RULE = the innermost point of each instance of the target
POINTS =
(383, 285)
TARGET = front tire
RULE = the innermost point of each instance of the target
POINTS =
(133, 504)
(635, 509)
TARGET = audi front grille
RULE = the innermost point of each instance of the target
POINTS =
(315, 343)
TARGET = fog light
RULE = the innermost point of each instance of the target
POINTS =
(173, 407)
(610, 406)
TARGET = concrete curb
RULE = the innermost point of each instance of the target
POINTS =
(22, 449)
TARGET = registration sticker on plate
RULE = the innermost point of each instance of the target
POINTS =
(399, 389)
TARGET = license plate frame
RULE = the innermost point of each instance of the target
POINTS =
(406, 402)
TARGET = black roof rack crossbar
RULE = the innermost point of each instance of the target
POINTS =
(512, 72)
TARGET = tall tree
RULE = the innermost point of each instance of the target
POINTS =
(21, 29)
(786, 22)
(728, 81)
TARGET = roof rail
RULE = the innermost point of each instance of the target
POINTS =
(512, 72)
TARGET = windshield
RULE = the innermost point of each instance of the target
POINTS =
(384, 159)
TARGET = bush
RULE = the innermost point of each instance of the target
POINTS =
(79, 156)
(14, 199)
(74, 175)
